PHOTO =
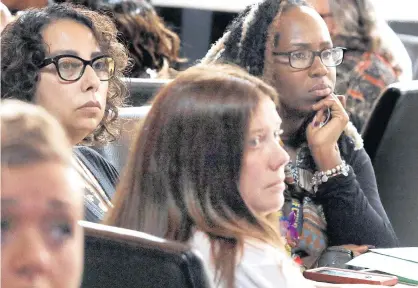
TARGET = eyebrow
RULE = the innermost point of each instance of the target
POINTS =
(309, 45)
(74, 53)
(53, 204)
(57, 205)
(255, 131)
(8, 202)
(258, 130)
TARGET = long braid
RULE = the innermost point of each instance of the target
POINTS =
(246, 24)
(255, 40)
(215, 53)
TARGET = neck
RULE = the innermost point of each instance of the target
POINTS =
(76, 138)
(291, 123)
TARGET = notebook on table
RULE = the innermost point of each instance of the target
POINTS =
(401, 262)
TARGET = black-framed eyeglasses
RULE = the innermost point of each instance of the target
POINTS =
(302, 59)
(71, 67)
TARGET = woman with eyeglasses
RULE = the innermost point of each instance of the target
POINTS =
(375, 56)
(332, 209)
(69, 61)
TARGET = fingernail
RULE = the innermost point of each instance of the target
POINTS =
(371, 246)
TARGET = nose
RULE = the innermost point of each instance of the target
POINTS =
(318, 69)
(90, 80)
(278, 157)
(30, 256)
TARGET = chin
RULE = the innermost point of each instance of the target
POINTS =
(280, 201)
(274, 205)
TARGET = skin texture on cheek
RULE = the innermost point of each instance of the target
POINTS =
(35, 247)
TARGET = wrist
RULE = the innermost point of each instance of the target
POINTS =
(322, 176)
(326, 157)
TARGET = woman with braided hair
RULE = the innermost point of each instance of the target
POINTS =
(332, 210)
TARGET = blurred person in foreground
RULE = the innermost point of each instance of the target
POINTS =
(41, 201)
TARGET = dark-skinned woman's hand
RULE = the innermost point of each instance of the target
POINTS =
(322, 140)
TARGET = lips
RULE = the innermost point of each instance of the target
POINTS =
(321, 90)
(276, 184)
(92, 104)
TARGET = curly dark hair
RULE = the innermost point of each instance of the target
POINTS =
(150, 42)
(23, 50)
(244, 42)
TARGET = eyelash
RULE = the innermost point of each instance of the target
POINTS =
(5, 224)
(57, 232)
(256, 140)
(61, 231)
(5, 227)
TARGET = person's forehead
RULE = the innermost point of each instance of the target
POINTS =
(265, 113)
(300, 24)
(45, 184)
(68, 34)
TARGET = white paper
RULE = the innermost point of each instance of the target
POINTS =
(394, 266)
(410, 253)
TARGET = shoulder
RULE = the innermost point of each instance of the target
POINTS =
(260, 265)
(93, 156)
(263, 265)
(97, 164)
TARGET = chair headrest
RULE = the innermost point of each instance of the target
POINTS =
(116, 257)
(133, 112)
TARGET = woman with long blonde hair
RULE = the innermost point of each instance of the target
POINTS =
(208, 168)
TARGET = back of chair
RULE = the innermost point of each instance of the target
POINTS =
(404, 27)
(411, 44)
(116, 257)
(391, 138)
(117, 152)
(142, 90)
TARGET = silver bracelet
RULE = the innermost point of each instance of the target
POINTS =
(320, 177)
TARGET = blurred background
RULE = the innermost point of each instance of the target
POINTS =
(200, 23)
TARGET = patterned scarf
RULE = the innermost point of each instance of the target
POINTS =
(310, 220)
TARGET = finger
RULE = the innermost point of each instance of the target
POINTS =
(324, 104)
(362, 249)
(318, 118)
(355, 253)
(327, 115)
(333, 103)
(342, 100)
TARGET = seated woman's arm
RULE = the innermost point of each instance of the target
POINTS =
(352, 207)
